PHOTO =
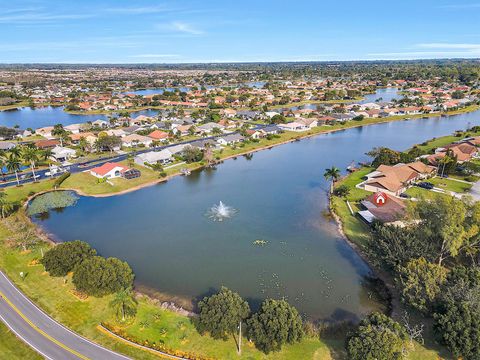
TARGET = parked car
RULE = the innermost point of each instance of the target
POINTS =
(405, 196)
(425, 185)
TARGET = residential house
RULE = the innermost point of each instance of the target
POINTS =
(61, 154)
(229, 113)
(293, 126)
(112, 170)
(230, 139)
(308, 122)
(45, 131)
(395, 179)
(208, 127)
(393, 209)
(100, 124)
(6, 145)
(46, 144)
(136, 140)
(154, 157)
(271, 129)
(116, 132)
(73, 128)
(463, 151)
(88, 136)
(158, 135)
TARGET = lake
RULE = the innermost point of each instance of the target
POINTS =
(27, 117)
(35, 118)
(280, 196)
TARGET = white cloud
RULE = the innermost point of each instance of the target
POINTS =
(185, 28)
(449, 46)
(21, 16)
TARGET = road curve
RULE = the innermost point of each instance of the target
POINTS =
(48, 337)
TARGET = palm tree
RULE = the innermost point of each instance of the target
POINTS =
(83, 143)
(332, 174)
(124, 304)
(13, 165)
(3, 162)
(155, 144)
(47, 153)
(30, 155)
(5, 205)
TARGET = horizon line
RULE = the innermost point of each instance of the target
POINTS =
(238, 62)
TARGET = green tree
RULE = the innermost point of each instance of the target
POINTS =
(216, 131)
(459, 325)
(278, 119)
(5, 205)
(275, 324)
(222, 314)
(83, 143)
(421, 282)
(332, 174)
(31, 156)
(13, 164)
(377, 338)
(98, 276)
(451, 224)
(384, 156)
(341, 191)
(62, 258)
(3, 163)
(192, 154)
(393, 246)
(124, 304)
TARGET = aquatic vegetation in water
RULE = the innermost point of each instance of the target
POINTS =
(55, 200)
(260, 242)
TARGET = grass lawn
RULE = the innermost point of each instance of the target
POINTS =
(450, 185)
(432, 144)
(88, 184)
(13, 348)
(22, 192)
(355, 229)
(419, 193)
(152, 323)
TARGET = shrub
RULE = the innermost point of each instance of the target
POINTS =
(377, 337)
(63, 258)
(275, 324)
(61, 179)
(98, 276)
(341, 191)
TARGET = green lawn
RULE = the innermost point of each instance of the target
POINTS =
(176, 331)
(13, 348)
(88, 184)
(355, 229)
(450, 185)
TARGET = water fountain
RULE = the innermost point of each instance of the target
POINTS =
(220, 212)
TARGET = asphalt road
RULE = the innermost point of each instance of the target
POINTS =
(75, 168)
(49, 338)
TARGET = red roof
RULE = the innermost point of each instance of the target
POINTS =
(157, 134)
(107, 167)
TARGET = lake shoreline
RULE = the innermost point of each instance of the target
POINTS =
(162, 297)
(299, 137)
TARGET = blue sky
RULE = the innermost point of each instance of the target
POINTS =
(143, 31)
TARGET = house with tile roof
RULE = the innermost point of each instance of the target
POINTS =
(395, 179)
